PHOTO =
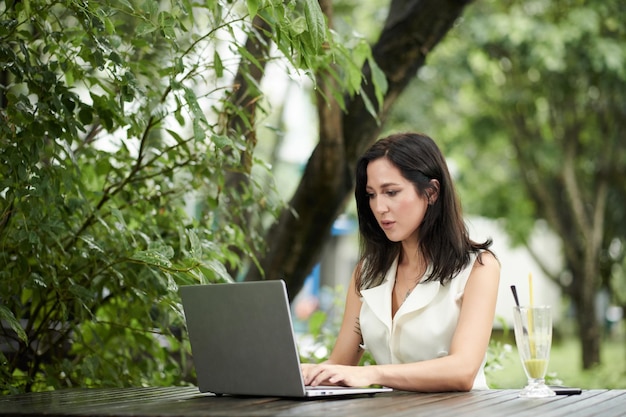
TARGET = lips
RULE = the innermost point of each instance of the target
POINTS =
(387, 224)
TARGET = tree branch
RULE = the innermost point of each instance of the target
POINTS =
(413, 29)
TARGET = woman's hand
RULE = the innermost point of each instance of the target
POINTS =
(329, 374)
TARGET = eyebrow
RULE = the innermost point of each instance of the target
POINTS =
(385, 185)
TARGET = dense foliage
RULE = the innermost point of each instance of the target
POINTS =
(115, 143)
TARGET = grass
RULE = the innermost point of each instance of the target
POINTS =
(566, 365)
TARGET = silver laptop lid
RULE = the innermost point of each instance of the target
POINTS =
(242, 339)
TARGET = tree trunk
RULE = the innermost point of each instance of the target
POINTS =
(577, 215)
(589, 221)
(588, 326)
(412, 30)
(237, 179)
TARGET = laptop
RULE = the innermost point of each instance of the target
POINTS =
(242, 341)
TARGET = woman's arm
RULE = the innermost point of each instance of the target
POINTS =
(347, 349)
(455, 372)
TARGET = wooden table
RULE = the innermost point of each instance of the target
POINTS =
(187, 401)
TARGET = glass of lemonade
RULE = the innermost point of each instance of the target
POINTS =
(533, 337)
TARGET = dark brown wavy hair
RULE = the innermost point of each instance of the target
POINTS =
(443, 236)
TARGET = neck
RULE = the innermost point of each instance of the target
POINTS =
(412, 258)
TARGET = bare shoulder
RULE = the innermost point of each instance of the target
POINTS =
(487, 258)
(486, 263)
(484, 278)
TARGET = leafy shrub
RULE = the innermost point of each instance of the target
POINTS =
(113, 183)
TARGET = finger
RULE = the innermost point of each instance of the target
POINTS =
(336, 379)
(306, 376)
(309, 371)
(312, 375)
(320, 377)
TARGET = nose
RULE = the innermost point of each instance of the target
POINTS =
(379, 205)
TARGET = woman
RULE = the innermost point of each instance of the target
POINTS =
(422, 297)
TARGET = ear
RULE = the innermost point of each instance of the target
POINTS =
(433, 192)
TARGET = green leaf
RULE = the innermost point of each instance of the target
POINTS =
(167, 23)
(315, 23)
(85, 115)
(69, 77)
(91, 243)
(253, 7)
(246, 54)
(379, 79)
(158, 255)
(144, 28)
(7, 315)
(82, 293)
(108, 25)
(195, 249)
(151, 7)
(218, 268)
(221, 141)
(198, 115)
(218, 66)
(299, 25)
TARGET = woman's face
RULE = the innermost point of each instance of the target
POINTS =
(397, 206)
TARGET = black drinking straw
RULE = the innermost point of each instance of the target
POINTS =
(514, 290)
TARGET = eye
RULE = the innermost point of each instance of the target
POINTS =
(369, 195)
(391, 193)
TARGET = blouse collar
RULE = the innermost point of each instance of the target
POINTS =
(378, 298)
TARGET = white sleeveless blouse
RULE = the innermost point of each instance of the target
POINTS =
(423, 326)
